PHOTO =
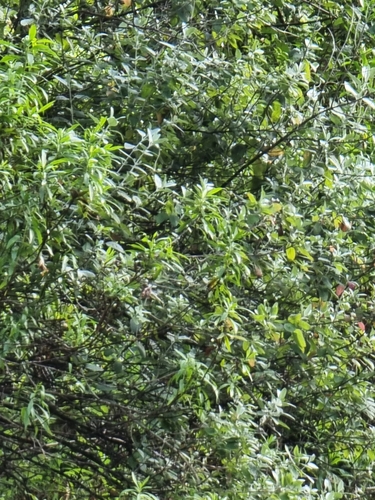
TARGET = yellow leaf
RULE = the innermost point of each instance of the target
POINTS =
(275, 152)
(213, 283)
(228, 325)
(252, 198)
(290, 253)
(159, 118)
(307, 71)
(227, 343)
(307, 157)
(109, 10)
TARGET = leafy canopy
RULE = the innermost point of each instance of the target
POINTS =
(187, 250)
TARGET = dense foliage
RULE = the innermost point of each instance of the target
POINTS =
(187, 248)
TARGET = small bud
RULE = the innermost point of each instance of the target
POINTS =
(361, 326)
(109, 10)
(258, 272)
(345, 225)
(146, 292)
(42, 266)
(340, 290)
(352, 285)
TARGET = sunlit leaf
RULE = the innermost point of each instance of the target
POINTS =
(299, 339)
(290, 253)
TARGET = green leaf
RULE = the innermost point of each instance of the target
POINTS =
(93, 367)
(351, 90)
(299, 339)
(288, 327)
(370, 103)
(112, 122)
(305, 253)
(117, 367)
(135, 325)
(227, 343)
(32, 32)
(115, 246)
(238, 152)
(158, 182)
(276, 111)
(84, 273)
